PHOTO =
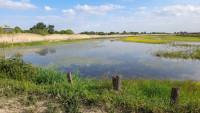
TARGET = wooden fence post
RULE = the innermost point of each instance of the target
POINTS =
(175, 94)
(69, 75)
(116, 83)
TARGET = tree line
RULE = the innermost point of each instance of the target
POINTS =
(39, 28)
(43, 29)
(117, 33)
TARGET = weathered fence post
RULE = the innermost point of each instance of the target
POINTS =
(116, 83)
(175, 94)
(69, 75)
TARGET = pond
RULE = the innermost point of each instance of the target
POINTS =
(105, 57)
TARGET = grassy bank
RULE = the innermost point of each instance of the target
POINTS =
(37, 43)
(162, 39)
(33, 84)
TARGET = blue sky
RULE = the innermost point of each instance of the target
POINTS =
(104, 15)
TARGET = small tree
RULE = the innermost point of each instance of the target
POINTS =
(39, 25)
(124, 32)
(56, 32)
(62, 32)
(50, 29)
(111, 33)
(40, 31)
(39, 28)
(69, 32)
(17, 30)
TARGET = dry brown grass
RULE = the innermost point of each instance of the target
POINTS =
(27, 37)
(18, 38)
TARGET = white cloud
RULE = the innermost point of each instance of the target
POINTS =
(19, 5)
(142, 8)
(25, 1)
(69, 11)
(94, 10)
(47, 8)
(178, 10)
(50, 17)
(126, 0)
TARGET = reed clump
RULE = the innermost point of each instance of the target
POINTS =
(184, 54)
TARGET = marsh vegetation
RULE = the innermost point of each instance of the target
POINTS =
(38, 84)
(32, 85)
(187, 51)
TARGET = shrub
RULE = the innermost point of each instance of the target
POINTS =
(40, 31)
(16, 68)
(17, 30)
(69, 32)
(62, 32)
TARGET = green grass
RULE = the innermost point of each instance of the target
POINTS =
(137, 95)
(192, 53)
(37, 43)
(162, 39)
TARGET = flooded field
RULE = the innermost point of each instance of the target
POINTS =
(105, 57)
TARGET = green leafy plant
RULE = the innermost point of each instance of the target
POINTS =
(16, 68)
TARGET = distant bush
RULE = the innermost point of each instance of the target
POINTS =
(17, 30)
(11, 32)
(16, 68)
(27, 31)
(62, 32)
(69, 32)
(40, 31)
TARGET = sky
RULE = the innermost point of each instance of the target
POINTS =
(104, 15)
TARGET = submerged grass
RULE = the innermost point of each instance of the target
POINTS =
(186, 45)
(185, 54)
(162, 39)
(137, 95)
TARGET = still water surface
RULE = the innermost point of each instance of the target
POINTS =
(96, 58)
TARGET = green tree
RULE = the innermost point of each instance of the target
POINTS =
(111, 33)
(17, 29)
(69, 32)
(39, 28)
(124, 32)
(50, 29)
(1, 30)
(40, 31)
(56, 32)
(86, 32)
(101, 33)
(62, 32)
(39, 25)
